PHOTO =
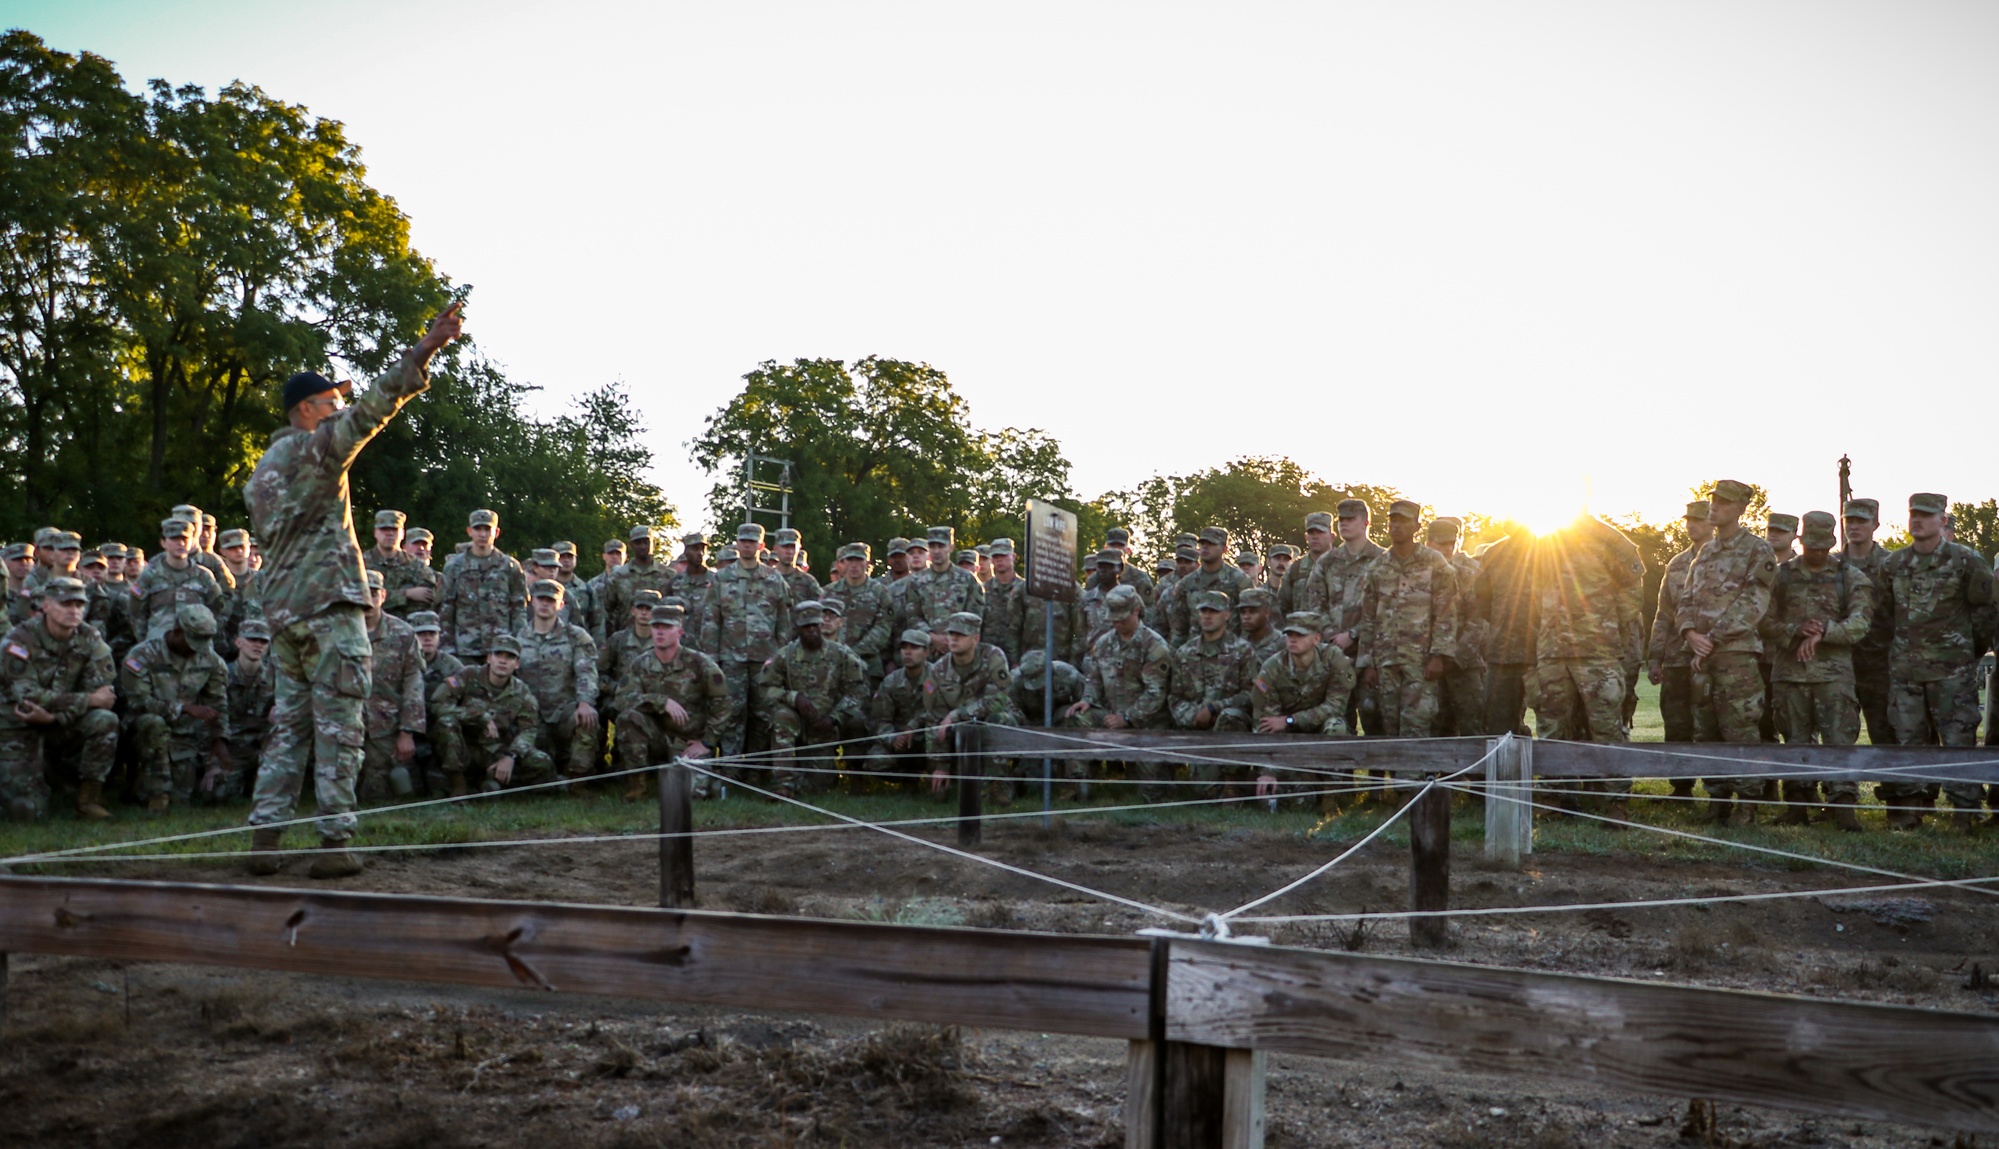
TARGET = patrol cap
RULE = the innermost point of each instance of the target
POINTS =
(257, 630)
(914, 637)
(1033, 664)
(670, 614)
(1211, 600)
(305, 384)
(1732, 491)
(694, 539)
(1303, 622)
(1187, 555)
(94, 558)
(1778, 521)
(1699, 511)
(1285, 549)
(1117, 536)
(425, 621)
(545, 557)
(233, 537)
(69, 541)
(649, 597)
(964, 622)
(1319, 521)
(1108, 558)
(833, 606)
(614, 546)
(898, 545)
(1186, 540)
(418, 535)
(855, 551)
(963, 557)
(1001, 547)
(1247, 557)
(750, 533)
(1821, 530)
(1215, 535)
(45, 537)
(20, 550)
(503, 644)
(1121, 602)
(187, 511)
(1929, 503)
(66, 589)
(983, 550)
(785, 536)
(916, 545)
(1164, 564)
(1406, 508)
(176, 529)
(384, 519)
(943, 536)
(1444, 528)
(565, 547)
(374, 579)
(483, 518)
(111, 550)
(194, 620)
(639, 532)
(1261, 596)
(1869, 509)
(207, 520)
(807, 613)
(546, 588)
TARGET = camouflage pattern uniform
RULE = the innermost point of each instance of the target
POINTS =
(1815, 700)
(1585, 575)
(1216, 676)
(974, 691)
(647, 733)
(1409, 613)
(1934, 600)
(624, 647)
(1027, 687)
(1290, 593)
(396, 703)
(1337, 592)
(1070, 628)
(932, 599)
(828, 681)
(157, 686)
(624, 582)
(1006, 616)
(1726, 596)
(1310, 693)
(481, 599)
(896, 707)
(739, 630)
(1132, 678)
(1668, 650)
(161, 588)
(799, 585)
(398, 568)
(459, 713)
(560, 668)
(428, 768)
(1871, 654)
(59, 675)
(1093, 606)
(251, 694)
(1225, 579)
(1461, 693)
(691, 587)
(870, 617)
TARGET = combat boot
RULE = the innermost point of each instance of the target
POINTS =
(1744, 814)
(90, 802)
(158, 803)
(454, 783)
(339, 862)
(1844, 817)
(635, 788)
(266, 857)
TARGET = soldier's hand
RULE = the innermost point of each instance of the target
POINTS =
(806, 710)
(31, 712)
(445, 328)
(1433, 668)
(502, 769)
(1115, 721)
(211, 779)
(1655, 673)
(1371, 678)
(1344, 640)
(1271, 724)
(939, 782)
(677, 712)
(695, 749)
(1073, 711)
(1700, 644)
(103, 698)
(405, 746)
(586, 718)
(944, 726)
(1809, 648)
(197, 710)
(1204, 717)
(421, 595)
(492, 731)
(899, 742)
(1266, 784)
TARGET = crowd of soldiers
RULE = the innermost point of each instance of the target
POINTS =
(148, 680)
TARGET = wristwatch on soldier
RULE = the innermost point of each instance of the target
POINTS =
(1290, 722)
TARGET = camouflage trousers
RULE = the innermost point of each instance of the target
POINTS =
(378, 757)
(1931, 713)
(647, 739)
(883, 758)
(169, 754)
(1826, 713)
(1461, 702)
(1232, 720)
(740, 678)
(788, 737)
(1408, 701)
(245, 750)
(471, 758)
(1582, 700)
(26, 751)
(1676, 702)
(572, 750)
(1728, 707)
(1506, 697)
(1870, 682)
(318, 725)
(1147, 775)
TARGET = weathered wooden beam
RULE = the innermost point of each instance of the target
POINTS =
(1430, 867)
(676, 846)
(1553, 759)
(1429, 755)
(1052, 983)
(1881, 1062)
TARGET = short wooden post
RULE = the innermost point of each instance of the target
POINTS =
(1502, 810)
(1141, 1096)
(1193, 1096)
(1523, 788)
(1430, 867)
(676, 848)
(3, 995)
(970, 765)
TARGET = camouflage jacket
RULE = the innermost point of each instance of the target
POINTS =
(1337, 588)
(934, 598)
(1589, 578)
(1314, 696)
(435, 671)
(624, 583)
(831, 678)
(299, 505)
(976, 692)
(155, 680)
(396, 701)
(1271, 645)
(1180, 612)
(1881, 634)
(1472, 630)
(481, 598)
(869, 615)
(1935, 601)
(1410, 611)
(581, 608)
(560, 667)
(1668, 647)
(1503, 597)
(1141, 582)
(897, 704)
(692, 679)
(615, 658)
(1297, 576)
(1006, 618)
(54, 673)
(1217, 675)
(1070, 628)
(1096, 618)
(213, 564)
(161, 589)
(1840, 597)
(1026, 692)
(1130, 677)
(241, 603)
(744, 613)
(691, 586)
(1728, 592)
(398, 569)
(799, 585)
(252, 693)
(465, 701)
(20, 605)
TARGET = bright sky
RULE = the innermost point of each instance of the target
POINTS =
(1498, 255)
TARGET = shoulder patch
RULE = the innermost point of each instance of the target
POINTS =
(135, 666)
(136, 592)
(1262, 685)
(453, 680)
(17, 650)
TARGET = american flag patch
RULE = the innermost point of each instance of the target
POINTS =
(135, 666)
(135, 591)
(453, 680)
(1263, 686)
(17, 650)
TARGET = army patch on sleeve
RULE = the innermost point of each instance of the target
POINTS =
(1263, 686)
(17, 650)
(135, 666)
(136, 592)
(453, 680)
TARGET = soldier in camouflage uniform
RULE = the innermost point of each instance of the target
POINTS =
(1214, 574)
(1027, 688)
(397, 713)
(1408, 627)
(203, 540)
(579, 599)
(176, 693)
(624, 647)
(423, 587)
(691, 584)
(108, 595)
(1119, 539)
(1304, 690)
(1935, 591)
(946, 590)
(252, 688)
(20, 561)
(1669, 667)
(559, 665)
(396, 566)
(1005, 617)
(234, 549)
(1461, 693)
(600, 584)
(315, 600)
(1127, 679)
(56, 697)
(485, 591)
(1186, 560)
(1256, 614)
(1093, 605)
(438, 665)
(1070, 627)
(172, 578)
(869, 609)
(1726, 596)
(1781, 532)
(740, 628)
(813, 693)
(895, 711)
(487, 720)
(1212, 678)
(1586, 575)
(642, 570)
(1336, 592)
(1819, 608)
(1277, 565)
(1871, 654)
(968, 684)
(671, 703)
(801, 586)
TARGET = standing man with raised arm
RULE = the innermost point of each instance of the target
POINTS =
(315, 598)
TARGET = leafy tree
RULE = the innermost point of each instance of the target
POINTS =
(1976, 525)
(1259, 500)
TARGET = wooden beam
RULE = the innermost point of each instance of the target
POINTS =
(1429, 755)
(1141, 1096)
(676, 853)
(1053, 983)
(1242, 1099)
(1430, 868)
(1554, 759)
(1886, 1063)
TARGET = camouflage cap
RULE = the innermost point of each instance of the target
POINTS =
(984, 550)
(66, 589)
(1732, 491)
(1186, 540)
(750, 533)
(834, 607)
(963, 557)
(964, 622)
(855, 551)
(387, 519)
(373, 578)
(418, 535)
(176, 529)
(20, 550)
(503, 644)
(1117, 536)
(1353, 509)
(943, 536)
(564, 547)
(647, 597)
(898, 545)
(807, 613)
(1285, 549)
(1187, 555)
(915, 545)
(1215, 536)
(1002, 546)
(1699, 511)
(1929, 503)
(614, 546)
(94, 558)
(546, 588)
(915, 637)
(785, 536)
(694, 539)
(208, 520)
(639, 532)
(1405, 509)
(1248, 558)
(1778, 521)
(233, 537)
(194, 621)
(111, 550)
(186, 511)
(1211, 600)
(422, 621)
(1319, 521)
(669, 613)
(1261, 596)
(257, 630)
(1122, 602)
(1821, 530)
(1303, 622)
(1164, 564)
(1033, 665)
(1108, 558)
(1444, 528)
(483, 518)
(1869, 509)
(68, 541)
(46, 536)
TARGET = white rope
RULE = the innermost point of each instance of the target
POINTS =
(994, 862)
(1794, 771)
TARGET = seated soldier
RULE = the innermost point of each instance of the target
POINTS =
(1212, 679)
(672, 702)
(814, 694)
(396, 711)
(438, 665)
(252, 689)
(895, 714)
(485, 719)
(1302, 691)
(968, 684)
(1027, 689)
(176, 691)
(56, 698)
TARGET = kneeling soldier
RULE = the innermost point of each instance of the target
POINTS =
(672, 702)
(1302, 691)
(813, 693)
(968, 684)
(177, 698)
(483, 718)
(56, 696)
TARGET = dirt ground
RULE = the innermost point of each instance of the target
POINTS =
(96, 1054)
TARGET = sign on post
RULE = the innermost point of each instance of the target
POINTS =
(1051, 552)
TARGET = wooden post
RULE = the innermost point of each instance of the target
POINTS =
(1193, 1096)
(1141, 1096)
(1242, 1099)
(1502, 810)
(1430, 867)
(970, 765)
(1523, 787)
(676, 854)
